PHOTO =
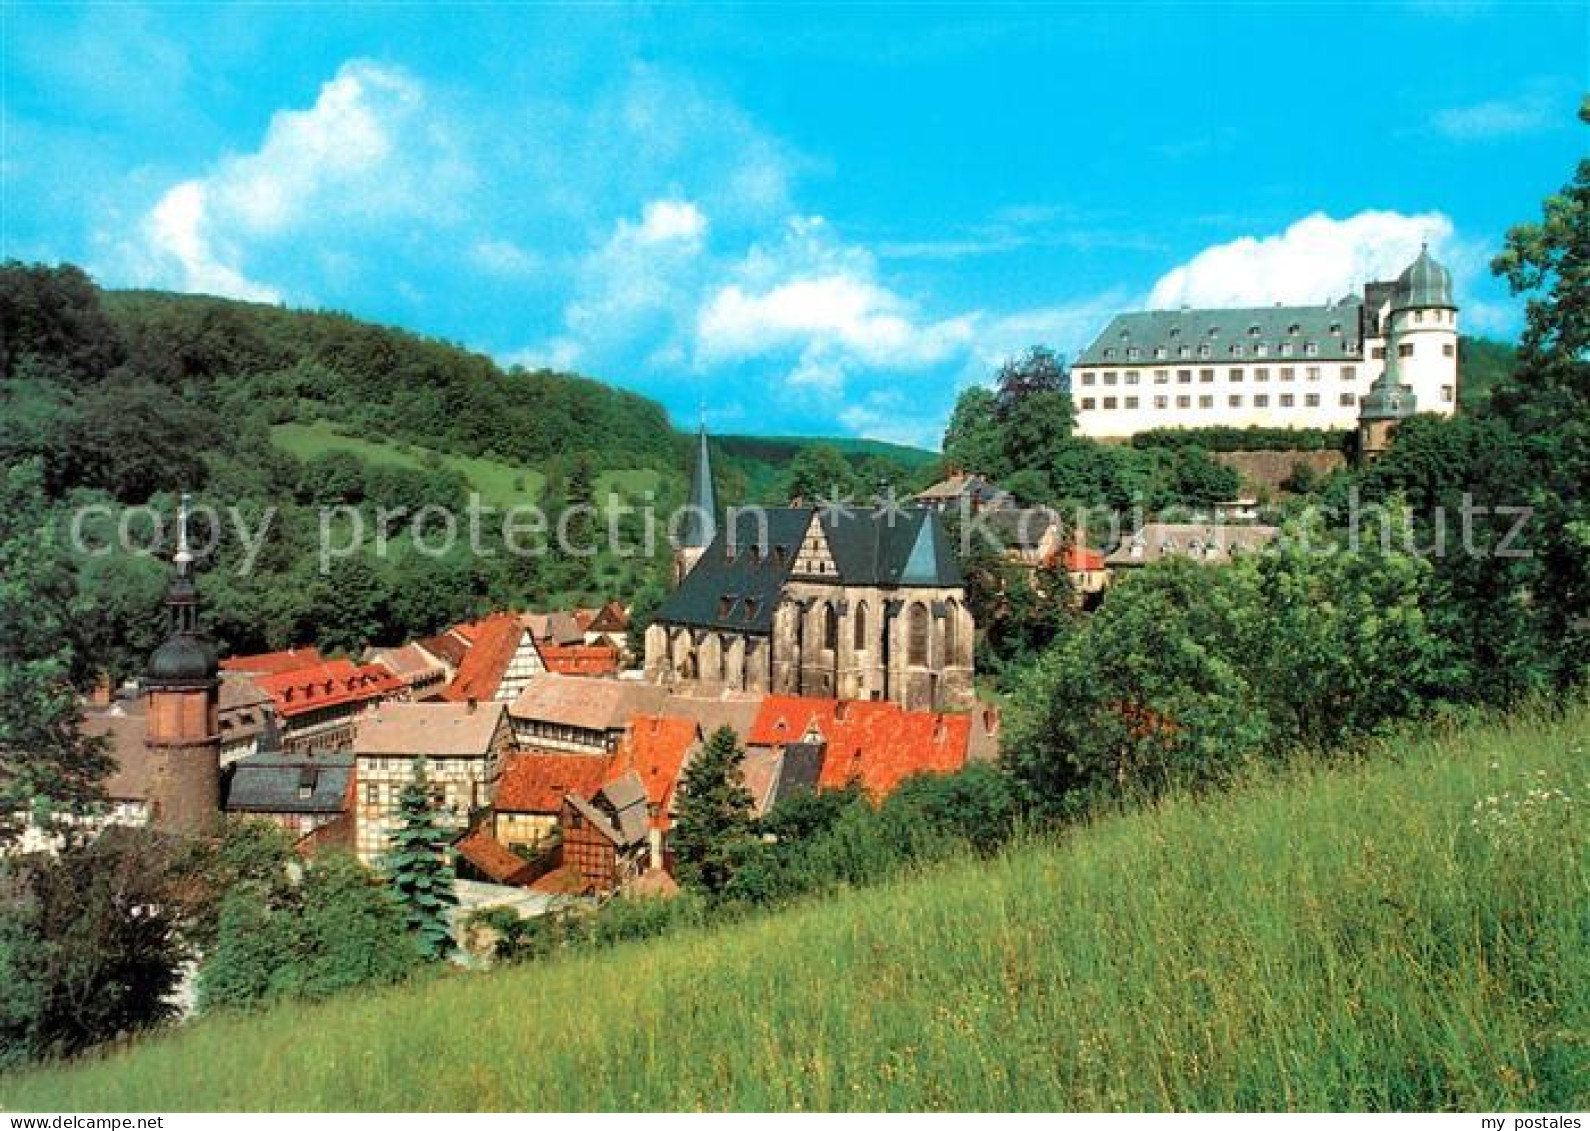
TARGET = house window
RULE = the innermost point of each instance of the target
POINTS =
(1131, 402)
(1288, 373)
(1348, 400)
(1311, 400)
(1087, 403)
(1110, 378)
(1132, 376)
(1262, 400)
(1234, 402)
(1206, 376)
(1161, 402)
(1313, 373)
(1087, 378)
(1349, 372)
(917, 635)
(1109, 402)
(1184, 402)
(1184, 376)
(1287, 400)
(1206, 402)
(1404, 349)
(1161, 376)
(1234, 374)
(1261, 374)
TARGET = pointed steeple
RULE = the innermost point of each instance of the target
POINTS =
(701, 522)
(1388, 398)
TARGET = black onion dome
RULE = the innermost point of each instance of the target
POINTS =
(183, 658)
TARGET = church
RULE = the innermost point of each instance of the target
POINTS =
(829, 602)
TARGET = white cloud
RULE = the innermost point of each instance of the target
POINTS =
(1314, 260)
(1496, 118)
(670, 221)
(504, 257)
(810, 295)
(366, 152)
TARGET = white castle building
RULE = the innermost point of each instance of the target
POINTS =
(1276, 366)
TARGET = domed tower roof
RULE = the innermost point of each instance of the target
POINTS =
(186, 658)
(1424, 282)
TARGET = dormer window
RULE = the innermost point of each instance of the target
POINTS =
(1311, 349)
(1203, 350)
(1253, 331)
(1294, 328)
(1214, 331)
(1133, 354)
(1108, 353)
(1160, 352)
(1175, 331)
(1237, 351)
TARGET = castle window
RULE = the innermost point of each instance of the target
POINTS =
(1203, 350)
(1234, 374)
(1131, 402)
(1133, 354)
(1161, 402)
(1184, 376)
(1159, 352)
(1348, 400)
(1087, 378)
(1109, 402)
(1336, 328)
(1311, 400)
(1261, 350)
(1236, 350)
(1286, 349)
(1311, 349)
(1293, 328)
(1313, 373)
(1184, 402)
(1379, 353)
(1234, 401)
(1349, 372)
(1161, 376)
(725, 604)
(1206, 376)
(1133, 376)
(859, 639)
(1111, 378)
(1206, 402)
(1448, 350)
(1261, 374)
(1087, 403)
(1175, 331)
(1261, 401)
(1288, 373)
(917, 635)
(1287, 400)
(1253, 331)
(1405, 349)
(830, 628)
(1446, 394)
(1418, 316)
(1108, 353)
(1183, 351)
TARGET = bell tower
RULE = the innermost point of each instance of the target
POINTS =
(184, 735)
(701, 512)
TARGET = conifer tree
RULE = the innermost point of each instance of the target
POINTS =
(714, 819)
(421, 870)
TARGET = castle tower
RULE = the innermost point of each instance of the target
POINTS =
(701, 513)
(184, 734)
(1422, 334)
(1389, 402)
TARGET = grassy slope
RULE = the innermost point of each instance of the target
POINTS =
(1342, 939)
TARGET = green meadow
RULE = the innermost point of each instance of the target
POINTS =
(1405, 930)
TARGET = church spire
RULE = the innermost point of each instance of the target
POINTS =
(701, 522)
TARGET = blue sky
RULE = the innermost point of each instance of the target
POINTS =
(822, 219)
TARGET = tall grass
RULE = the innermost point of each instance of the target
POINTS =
(1408, 933)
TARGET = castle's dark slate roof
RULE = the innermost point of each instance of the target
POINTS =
(738, 581)
(1333, 329)
(289, 783)
(799, 771)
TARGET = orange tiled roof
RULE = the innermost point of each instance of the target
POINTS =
(580, 659)
(492, 858)
(878, 744)
(655, 747)
(1080, 559)
(535, 782)
(274, 663)
(328, 684)
(495, 640)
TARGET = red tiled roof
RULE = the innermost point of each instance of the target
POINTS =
(536, 782)
(878, 744)
(447, 647)
(655, 747)
(327, 684)
(1080, 559)
(492, 858)
(580, 659)
(495, 640)
(274, 663)
(566, 880)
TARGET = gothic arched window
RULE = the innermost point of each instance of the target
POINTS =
(830, 628)
(917, 641)
(860, 642)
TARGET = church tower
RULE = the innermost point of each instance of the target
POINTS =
(183, 736)
(701, 513)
